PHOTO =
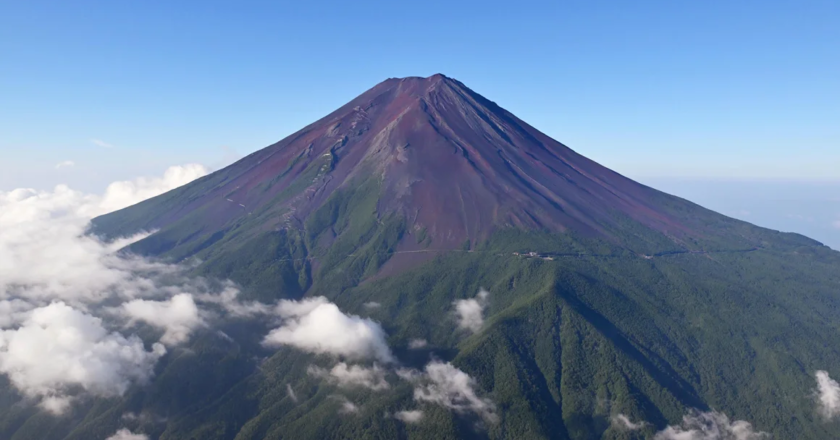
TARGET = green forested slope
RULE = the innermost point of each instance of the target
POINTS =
(568, 342)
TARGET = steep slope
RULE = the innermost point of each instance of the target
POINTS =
(419, 166)
(445, 158)
(420, 192)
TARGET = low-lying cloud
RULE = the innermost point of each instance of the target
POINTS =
(46, 255)
(349, 376)
(710, 425)
(291, 393)
(125, 434)
(318, 326)
(445, 385)
(470, 312)
(59, 348)
(228, 300)
(178, 316)
(129, 192)
(828, 395)
(411, 416)
(54, 278)
(13, 312)
(624, 423)
(346, 406)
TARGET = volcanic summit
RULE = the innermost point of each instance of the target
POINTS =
(454, 165)
(605, 296)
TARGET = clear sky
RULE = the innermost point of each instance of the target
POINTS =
(688, 96)
(736, 89)
(712, 91)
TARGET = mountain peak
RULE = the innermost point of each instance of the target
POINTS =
(683, 306)
(454, 166)
(436, 78)
(416, 86)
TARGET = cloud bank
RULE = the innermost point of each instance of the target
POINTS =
(413, 416)
(53, 278)
(228, 300)
(101, 143)
(828, 395)
(125, 434)
(347, 407)
(178, 316)
(46, 255)
(470, 311)
(58, 348)
(345, 376)
(623, 422)
(710, 426)
(129, 192)
(447, 386)
(318, 326)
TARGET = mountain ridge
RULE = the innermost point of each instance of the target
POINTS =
(454, 165)
(633, 303)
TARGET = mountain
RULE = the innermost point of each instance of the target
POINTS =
(441, 156)
(415, 166)
(606, 297)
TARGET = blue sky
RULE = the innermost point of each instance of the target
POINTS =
(713, 90)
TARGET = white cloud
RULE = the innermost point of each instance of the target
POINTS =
(451, 388)
(415, 344)
(623, 422)
(13, 312)
(126, 193)
(178, 316)
(710, 426)
(65, 164)
(836, 224)
(318, 326)
(58, 348)
(125, 434)
(347, 407)
(413, 416)
(351, 376)
(143, 417)
(101, 143)
(228, 299)
(43, 250)
(470, 311)
(51, 277)
(828, 391)
(46, 255)
(372, 305)
(409, 374)
(291, 393)
(56, 404)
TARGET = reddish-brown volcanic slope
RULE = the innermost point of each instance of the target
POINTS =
(449, 160)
